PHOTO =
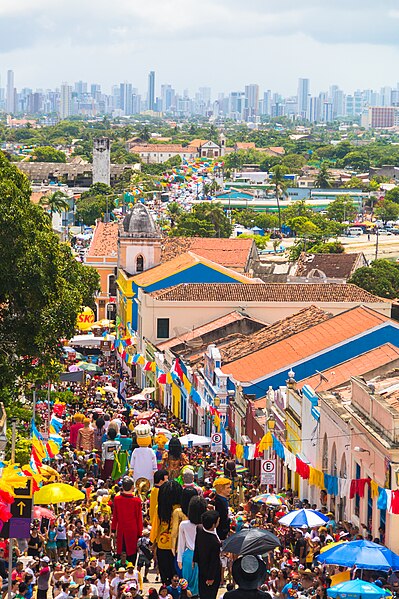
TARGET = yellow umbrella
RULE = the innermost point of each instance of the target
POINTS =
(57, 493)
(105, 323)
(329, 545)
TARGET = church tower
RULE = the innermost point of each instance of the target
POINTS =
(139, 241)
(222, 138)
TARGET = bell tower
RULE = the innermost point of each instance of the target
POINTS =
(139, 241)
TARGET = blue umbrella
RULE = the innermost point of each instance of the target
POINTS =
(362, 554)
(357, 589)
(300, 518)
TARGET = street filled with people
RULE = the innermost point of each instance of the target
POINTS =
(159, 518)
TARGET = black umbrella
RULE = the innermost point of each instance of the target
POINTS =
(251, 541)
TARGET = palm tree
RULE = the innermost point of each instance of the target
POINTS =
(56, 202)
(279, 183)
(323, 179)
(173, 210)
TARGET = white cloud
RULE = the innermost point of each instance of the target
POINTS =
(223, 43)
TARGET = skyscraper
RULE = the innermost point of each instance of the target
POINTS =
(65, 101)
(251, 101)
(151, 90)
(10, 104)
(125, 97)
(303, 95)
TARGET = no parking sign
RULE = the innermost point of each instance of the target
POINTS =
(268, 472)
(217, 443)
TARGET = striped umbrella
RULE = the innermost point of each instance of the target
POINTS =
(239, 469)
(269, 499)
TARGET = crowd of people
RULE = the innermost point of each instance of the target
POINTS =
(159, 535)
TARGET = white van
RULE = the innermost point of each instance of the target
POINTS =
(355, 231)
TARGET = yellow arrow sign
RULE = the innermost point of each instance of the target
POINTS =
(21, 506)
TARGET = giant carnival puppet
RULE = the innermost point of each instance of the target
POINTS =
(143, 462)
(174, 459)
(127, 520)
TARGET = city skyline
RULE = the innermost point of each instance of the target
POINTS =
(225, 45)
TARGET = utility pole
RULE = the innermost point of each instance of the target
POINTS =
(376, 242)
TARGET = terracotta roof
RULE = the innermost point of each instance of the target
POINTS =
(242, 145)
(232, 253)
(339, 266)
(276, 149)
(180, 263)
(304, 344)
(277, 331)
(361, 365)
(196, 333)
(105, 240)
(265, 292)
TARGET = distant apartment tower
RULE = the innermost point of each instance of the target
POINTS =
(65, 101)
(251, 101)
(10, 99)
(303, 95)
(380, 117)
(125, 98)
(151, 90)
(102, 160)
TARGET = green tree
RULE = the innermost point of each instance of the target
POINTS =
(294, 162)
(56, 202)
(173, 211)
(387, 210)
(357, 160)
(342, 209)
(260, 240)
(299, 208)
(323, 178)
(302, 226)
(48, 154)
(145, 133)
(91, 208)
(42, 288)
(190, 226)
(380, 278)
(355, 183)
(392, 195)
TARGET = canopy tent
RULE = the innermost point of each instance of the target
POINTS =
(195, 440)
(357, 589)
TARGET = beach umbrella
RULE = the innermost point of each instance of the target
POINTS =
(331, 545)
(105, 323)
(57, 493)
(195, 440)
(251, 541)
(109, 389)
(362, 554)
(240, 469)
(357, 589)
(43, 512)
(89, 367)
(300, 518)
(269, 499)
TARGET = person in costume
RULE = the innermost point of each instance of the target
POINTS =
(85, 440)
(174, 458)
(75, 427)
(143, 462)
(222, 487)
(165, 526)
(127, 520)
(159, 447)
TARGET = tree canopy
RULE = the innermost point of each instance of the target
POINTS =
(206, 219)
(48, 154)
(380, 278)
(42, 287)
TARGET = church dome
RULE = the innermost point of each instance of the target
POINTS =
(139, 223)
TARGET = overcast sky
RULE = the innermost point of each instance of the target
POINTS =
(223, 44)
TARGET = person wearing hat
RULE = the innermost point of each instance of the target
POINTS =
(121, 572)
(249, 572)
(43, 578)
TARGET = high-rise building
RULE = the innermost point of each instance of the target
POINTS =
(95, 91)
(125, 97)
(167, 97)
(251, 101)
(267, 102)
(11, 95)
(303, 95)
(314, 115)
(236, 105)
(151, 90)
(65, 100)
(80, 88)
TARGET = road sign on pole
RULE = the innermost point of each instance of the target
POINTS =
(268, 472)
(217, 443)
(18, 527)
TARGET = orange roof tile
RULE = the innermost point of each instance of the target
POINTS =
(180, 263)
(361, 365)
(232, 253)
(304, 344)
(105, 240)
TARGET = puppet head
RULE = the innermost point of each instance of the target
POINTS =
(78, 417)
(161, 440)
(222, 486)
(175, 448)
(143, 433)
